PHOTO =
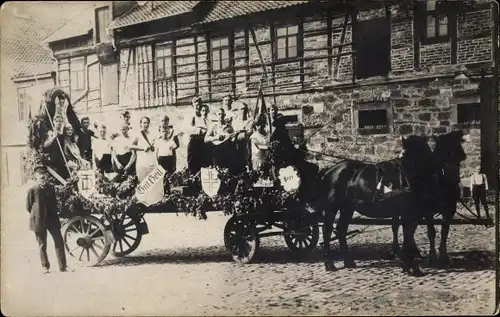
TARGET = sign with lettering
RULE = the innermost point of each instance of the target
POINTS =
(289, 178)
(210, 181)
(86, 182)
(261, 182)
(150, 190)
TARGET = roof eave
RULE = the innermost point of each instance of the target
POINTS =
(112, 27)
(50, 41)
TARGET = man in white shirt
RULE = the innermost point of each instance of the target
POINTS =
(479, 186)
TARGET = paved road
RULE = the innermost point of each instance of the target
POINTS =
(181, 268)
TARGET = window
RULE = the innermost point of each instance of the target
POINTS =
(372, 39)
(373, 118)
(102, 22)
(220, 54)
(286, 42)
(435, 23)
(22, 103)
(469, 113)
(109, 84)
(163, 58)
(77, 70)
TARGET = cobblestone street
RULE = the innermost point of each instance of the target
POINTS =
(181, 267)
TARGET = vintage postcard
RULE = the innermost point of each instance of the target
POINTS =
(192, 158)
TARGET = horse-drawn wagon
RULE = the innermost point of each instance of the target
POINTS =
(90, 236)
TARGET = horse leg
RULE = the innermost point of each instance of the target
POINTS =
(342, 226)
(445, 229)
(409, 262)
(395, 241)
(431, 234)
(328, 220)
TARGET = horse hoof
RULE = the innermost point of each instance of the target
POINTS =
(433, 260)
(417, 273)
(330, 267)
(350, 264)
(444, 262)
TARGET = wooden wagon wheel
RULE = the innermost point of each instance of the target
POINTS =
(302, 240)
(241, 239)
(86, 240)
(128, 230)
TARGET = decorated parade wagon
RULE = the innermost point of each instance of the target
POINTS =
(104, 212)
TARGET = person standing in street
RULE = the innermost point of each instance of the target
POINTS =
(41, 204)
(479, 186)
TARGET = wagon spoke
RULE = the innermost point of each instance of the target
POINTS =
(76, 229)
(128, 244)
(98, 245)
(88, 255)
(94, 251)
(81, 254)
(131, 229)
(94, 232)
(121, 245)
(114, 246)
(98, 238)
(130, 237)
(74, 249)
(130, 223)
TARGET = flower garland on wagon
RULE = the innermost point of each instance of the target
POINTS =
(114, 196)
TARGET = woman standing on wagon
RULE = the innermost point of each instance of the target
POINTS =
(143, 145)
(122, 155)
(196, 146)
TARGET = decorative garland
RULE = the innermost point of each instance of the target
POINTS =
(236, 195)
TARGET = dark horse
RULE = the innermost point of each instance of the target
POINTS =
(431, 179)
(443, 170)
(353, 186)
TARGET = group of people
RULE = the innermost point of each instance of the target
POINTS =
(123, 152)
(232, 139)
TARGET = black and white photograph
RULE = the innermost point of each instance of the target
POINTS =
(250, 158)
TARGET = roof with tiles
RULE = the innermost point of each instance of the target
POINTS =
(153, 10)
(230, 9)
(81, 24)
(23, 29)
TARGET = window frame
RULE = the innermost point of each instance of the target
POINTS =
(469, 124)
(220, 48)
(439, 11)
(98, 37)
(83, 71)
(22, 115)
(370, 106)
(287, 36)
(163, 58)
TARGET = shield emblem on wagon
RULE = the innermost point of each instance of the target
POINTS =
(86, 182)
(210, 181)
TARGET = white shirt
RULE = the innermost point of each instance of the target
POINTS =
(101, 147)
(122, 144)
(478, 179)
(165, 147)
(258, 139)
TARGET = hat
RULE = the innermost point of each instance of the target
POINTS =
(280, 120)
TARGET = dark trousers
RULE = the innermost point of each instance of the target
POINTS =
(104, 164)
(124, 159)
(479, 195)
(197, 154)
(41, 238)
(167, 162)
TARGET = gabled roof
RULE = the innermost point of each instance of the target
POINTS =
(81, 24)
(230, 9)
(153, 10)
(24, 27)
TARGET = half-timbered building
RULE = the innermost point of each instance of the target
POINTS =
(354, 76)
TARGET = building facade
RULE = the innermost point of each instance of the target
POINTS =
(357, 75)
(27, 71)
